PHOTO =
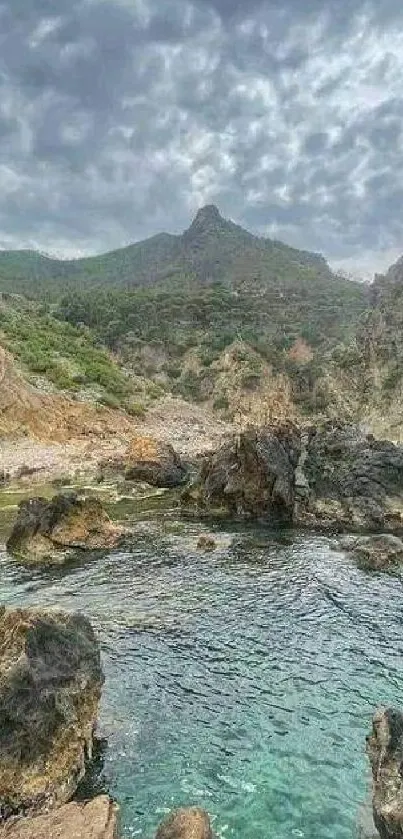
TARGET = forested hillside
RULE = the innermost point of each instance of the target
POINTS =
(202, 314)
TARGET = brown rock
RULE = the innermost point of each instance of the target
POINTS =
(206, 543)
(186, 823)
(154, 462)
(376, 552)
(50, 687)
(50, 531)
(385, 752)
(98, 819)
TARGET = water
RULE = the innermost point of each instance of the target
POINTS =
(243, 680)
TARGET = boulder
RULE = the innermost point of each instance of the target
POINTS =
(250, 476)
(385, 752)
(50, 531)
(50, 687)
(154, 462)
(97, 819)
(206, 543)
(376, 552)
(354, 481)
(186, 823)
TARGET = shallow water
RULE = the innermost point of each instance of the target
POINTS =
(242, 680)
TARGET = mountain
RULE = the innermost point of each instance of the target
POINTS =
(215, 314)
(212, 249)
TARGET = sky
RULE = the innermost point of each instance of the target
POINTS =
(120, 118)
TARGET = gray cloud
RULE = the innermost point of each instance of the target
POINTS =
(118, 120)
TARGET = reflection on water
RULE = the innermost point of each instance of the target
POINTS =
(243, 680)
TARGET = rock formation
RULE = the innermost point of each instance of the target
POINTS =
(50, 531)
(154, 462)
(185, 823)
(376, 552)
(353, 481)
(50, 686)
(252, 475)
(385, 752)
(97, 819)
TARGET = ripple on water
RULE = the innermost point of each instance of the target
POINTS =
(243, 680)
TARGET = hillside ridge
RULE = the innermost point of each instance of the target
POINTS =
(211, 249)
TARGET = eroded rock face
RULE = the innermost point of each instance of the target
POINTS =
(154, 462)
(377, 552)
(50, 687)
(252, 475)
(97, 819)
(354, 481)
(185, 823)
(385, 752)
(50, 531)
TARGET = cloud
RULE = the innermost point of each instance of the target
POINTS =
(118, 120)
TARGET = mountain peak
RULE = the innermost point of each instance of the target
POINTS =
(207, 220)
(209, 211)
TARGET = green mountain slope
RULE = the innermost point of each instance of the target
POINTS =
(212, 249)
(170, 307)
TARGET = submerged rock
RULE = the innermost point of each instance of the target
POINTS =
(185, 823)
(376, 552)
(206, 543)
(355, 481)
(50, 531)
(50, 687)
(154, 462)
(97, 819)
(385, 752)
(252, 475)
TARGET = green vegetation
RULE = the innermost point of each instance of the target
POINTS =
(62, 353)
(168, 307)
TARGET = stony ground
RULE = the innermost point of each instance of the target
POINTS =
(191, 429)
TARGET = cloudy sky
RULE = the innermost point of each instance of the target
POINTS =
(120, 118)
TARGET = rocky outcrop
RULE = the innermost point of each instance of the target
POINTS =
(50, 686)
(97, 819)
(376, 552)
(252, 475)
(154, 462)
(185, 823)
(385, 752)
(50, 531)
(353, 481)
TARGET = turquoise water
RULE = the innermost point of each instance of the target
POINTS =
(243, 680)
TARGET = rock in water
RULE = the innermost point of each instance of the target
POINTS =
(154, 462)
(50, 531)
(355, 481)
(252, 475)
(185, 823)
(50, 687)
(385, 752)
(98, 819)
(377, 552)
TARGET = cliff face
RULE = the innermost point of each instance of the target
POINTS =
(26, 411)
(364, 379)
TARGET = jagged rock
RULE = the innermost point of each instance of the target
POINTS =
(377, 552)
(154, 462)
(252, 475)
(385, 752)
(50, 686)
(186, 823)
(50, 531)
(355, 481)
(97, 819)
